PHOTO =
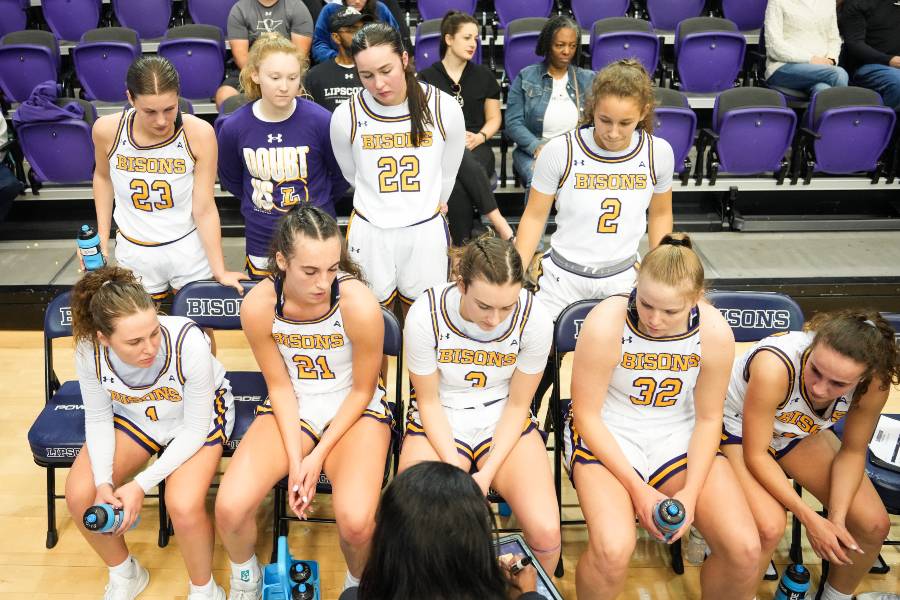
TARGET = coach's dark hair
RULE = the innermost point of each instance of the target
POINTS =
(674, 263)
(626, 78)
(311, 222)
(451, 24)
(101, 297)
(494, 260)
(151, 75)
(382, 34)
(863, 336)
(545, 39)
(433, 539)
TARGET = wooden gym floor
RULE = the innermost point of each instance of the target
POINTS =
(72, 571)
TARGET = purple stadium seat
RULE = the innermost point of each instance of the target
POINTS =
(588, 12)
(510, 10)
(102, 58)
(60, 151)
(746, 14)
(752, 129)
(27, 58)
(666, 14)
(436, 9)
(231, 104)
(709, 54)
(211, 12)
(198, 53)
(150, 18)
(519, 41)
(623, 37)
(676, 123)
(842, 118)
(13, 16)
(69, 19)
(428, 44)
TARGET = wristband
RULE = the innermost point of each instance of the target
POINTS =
(483, 135)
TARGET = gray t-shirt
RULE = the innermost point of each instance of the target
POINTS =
(249, 19)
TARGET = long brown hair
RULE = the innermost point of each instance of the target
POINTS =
(451, 24)
(626, 79)
(314, 223)
(268, 43)
(103, 296)
(151, 75)
(674, 263)
(863, 336)
(382, 34)
(494, 260)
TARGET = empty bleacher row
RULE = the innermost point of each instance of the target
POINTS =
(729, 132)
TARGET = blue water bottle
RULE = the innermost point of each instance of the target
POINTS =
(668, 516)
(103, 518)
(794, 583)
(89, 246)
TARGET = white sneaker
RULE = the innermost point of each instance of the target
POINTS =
(127, 588)
(218, 594)
(245, 590)
(877, 596)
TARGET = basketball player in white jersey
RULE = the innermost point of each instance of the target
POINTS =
(148, 382)
(648, 388)
(475, 350)
(785, 394)
(400, 143)
(155, 172)
(317, 333)
(605, 177)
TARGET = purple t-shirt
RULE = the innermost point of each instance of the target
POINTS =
(273, 167)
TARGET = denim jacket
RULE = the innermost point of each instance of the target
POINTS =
(528, 98)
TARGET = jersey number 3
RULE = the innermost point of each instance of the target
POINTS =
(140, 195)
(407, 168)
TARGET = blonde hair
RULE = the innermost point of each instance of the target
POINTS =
(674, 263)
(103, 296)
(626, 79)
(268, 43)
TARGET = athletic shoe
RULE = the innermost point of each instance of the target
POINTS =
(127, 588)
(245, 590)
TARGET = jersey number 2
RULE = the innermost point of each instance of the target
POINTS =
(660, 394)
(307, 368)
(140, 195)
(607, 222)
(407, 168)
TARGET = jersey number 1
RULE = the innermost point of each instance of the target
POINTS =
(407, 168)
(140, 195)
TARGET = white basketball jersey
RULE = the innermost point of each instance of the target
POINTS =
(474, 372)
(160, 402)
(153, 185)
(397, 183)
(652, 387)
(602, 202)
(795, 416)
(317, 353)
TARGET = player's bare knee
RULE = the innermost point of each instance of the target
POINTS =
(355, 527)
(185, 511)
(771, 530)
(231, 513)
(873, 530)
(544, 539)
(742, 553)
(611, 557)
(80, 494)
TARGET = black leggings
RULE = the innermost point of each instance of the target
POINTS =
(472, 191)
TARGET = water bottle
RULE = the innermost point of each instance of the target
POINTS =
(794, 583)
(103, 518)
(303, 591)
(668, 515)
(696, 547)
(89, 246)
(300, 572)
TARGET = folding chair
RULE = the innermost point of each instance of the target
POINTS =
(57, 434)
(393, 346)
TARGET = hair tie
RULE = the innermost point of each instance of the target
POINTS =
(674, 242)
(870, 323)
(106, 283)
